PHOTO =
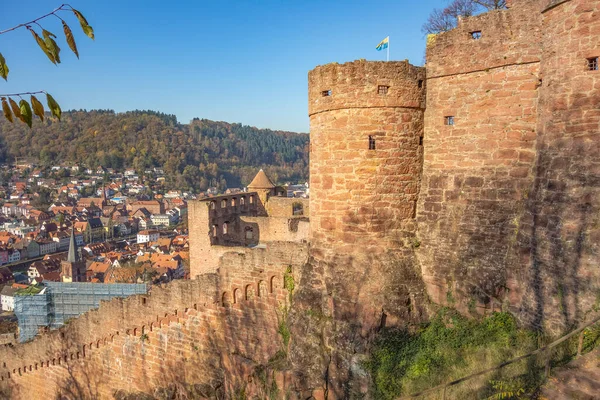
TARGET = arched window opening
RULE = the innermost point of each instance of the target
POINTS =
(242, 201)
(273, 284)
(262, 289)
(233, 202)
(249, 292)
(236, 296)
(225, 228)
(297, 208)
(224, 203)
(213, 205)
(251, 199)
(215, 230)
(225, 301)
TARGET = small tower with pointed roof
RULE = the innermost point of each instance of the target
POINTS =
(262, 185)
(73, 269)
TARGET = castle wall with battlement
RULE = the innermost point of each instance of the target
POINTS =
(244, 224)
(508, 204)
(495, 208)
(477, 171)
(218, 332)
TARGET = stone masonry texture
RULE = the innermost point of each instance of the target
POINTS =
(477, 172)
(498, 210)
(508, 208)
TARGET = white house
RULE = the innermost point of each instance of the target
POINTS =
(147, 236)
(47, 246)
(160, 219)
(145, 223)
(62, 239)
(173, 194)
(9, 209)
(36, 270)
(7, 298)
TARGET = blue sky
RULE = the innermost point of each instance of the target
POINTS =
(234, 61)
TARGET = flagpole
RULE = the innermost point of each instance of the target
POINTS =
(388, 49)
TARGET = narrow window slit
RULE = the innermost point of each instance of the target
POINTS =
(371, 142)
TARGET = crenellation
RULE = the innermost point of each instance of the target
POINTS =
(472, 180)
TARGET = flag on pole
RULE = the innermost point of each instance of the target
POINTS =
(383, 44)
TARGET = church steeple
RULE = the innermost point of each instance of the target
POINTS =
(73, 255)
(104, 201)
(73, 268)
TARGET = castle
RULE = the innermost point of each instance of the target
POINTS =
(473, 182)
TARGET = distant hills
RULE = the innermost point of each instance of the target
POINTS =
(194, 156)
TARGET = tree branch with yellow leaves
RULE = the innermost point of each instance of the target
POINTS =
(23, 110)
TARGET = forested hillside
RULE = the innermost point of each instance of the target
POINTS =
(194, 156)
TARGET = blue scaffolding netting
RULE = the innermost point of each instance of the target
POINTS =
(58, 302)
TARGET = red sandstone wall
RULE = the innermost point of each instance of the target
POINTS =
(508, 210)
(362, 273)
(189, 332)
(508, 37)
(283, 206)
(204, 215)
(364, 199)
(280, 226)
(509, 200)
(476, 173)
(559, 234)
(278, 229)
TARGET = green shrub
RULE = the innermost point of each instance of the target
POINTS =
(449, 347)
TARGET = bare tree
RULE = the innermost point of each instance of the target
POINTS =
(438, 21)
(447, 19)
(491, 4)
(461, 8)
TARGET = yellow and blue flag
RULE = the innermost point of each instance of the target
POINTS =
(383, 44)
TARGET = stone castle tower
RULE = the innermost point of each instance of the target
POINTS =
(499, 208)
(485, 161)
(366, 124)
(366, 127)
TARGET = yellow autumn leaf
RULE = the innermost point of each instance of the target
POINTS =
(6, 110)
